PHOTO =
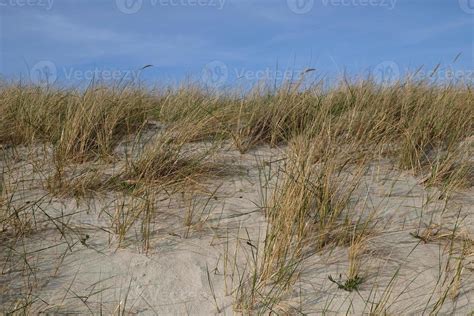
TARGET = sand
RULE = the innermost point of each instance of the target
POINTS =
(188, 270)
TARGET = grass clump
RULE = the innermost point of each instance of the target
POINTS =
(307, 213)
(170, 159)
(29, 114)
(80, 125)
(271, 118)
(351, 284)
(101, 117)
(308, 207)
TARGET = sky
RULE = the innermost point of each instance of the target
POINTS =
(230, 42)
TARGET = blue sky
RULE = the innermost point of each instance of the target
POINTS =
(224, 42)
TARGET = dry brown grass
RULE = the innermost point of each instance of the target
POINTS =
(419, 124)
(79, 124)
(169, 158)
(331, 136)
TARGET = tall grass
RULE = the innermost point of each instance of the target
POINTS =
(330, 135)
(80, 125)
(415, 122)
(169, 158)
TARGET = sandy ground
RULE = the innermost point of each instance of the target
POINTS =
(73, 264)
